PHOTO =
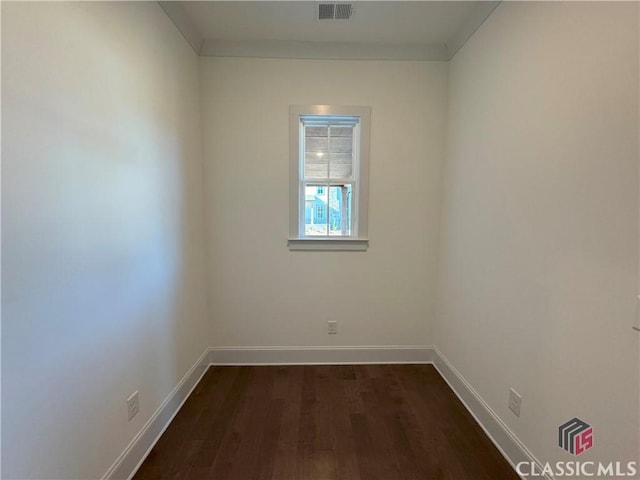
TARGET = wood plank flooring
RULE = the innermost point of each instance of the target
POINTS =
(364, 422)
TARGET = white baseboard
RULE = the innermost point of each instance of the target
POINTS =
(502, 437)
(130, 460)
(319, 355)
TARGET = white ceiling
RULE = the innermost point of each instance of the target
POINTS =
(410, 29)
(373, 22)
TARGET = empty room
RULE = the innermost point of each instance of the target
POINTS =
(307, 240)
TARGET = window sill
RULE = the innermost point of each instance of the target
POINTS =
(329, 244)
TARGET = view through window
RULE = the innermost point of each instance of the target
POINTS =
(329, 176)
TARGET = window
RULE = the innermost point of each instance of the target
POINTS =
(329, 150)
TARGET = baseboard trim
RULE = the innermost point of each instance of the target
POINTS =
(502, 437)
(320, 355)
(131, 459)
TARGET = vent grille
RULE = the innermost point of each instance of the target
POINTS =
(326, 11)
(335, 11)
(343, 11)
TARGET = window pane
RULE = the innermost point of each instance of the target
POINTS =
(316, 148)
(341, 148)
(316, 165)
(340, 210)
(316, 145)
(316, 131)
(341, 145)
(341, 165)
(341, 131)
(328, 151)
(316, 208)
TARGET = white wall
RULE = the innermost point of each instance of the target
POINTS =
(101, 229)
(539, 260)
(261, 293)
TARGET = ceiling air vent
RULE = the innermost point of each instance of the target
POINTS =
(334, 11)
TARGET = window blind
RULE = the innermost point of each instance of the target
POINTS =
(328, 147)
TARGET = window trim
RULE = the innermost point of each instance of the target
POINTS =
(359, 240)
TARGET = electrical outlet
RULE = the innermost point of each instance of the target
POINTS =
(133, 407)
(515, 400)
(333, 327)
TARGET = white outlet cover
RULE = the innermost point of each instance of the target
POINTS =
(133, 407)
(515, 402)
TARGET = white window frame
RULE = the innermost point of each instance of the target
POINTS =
(358, 240)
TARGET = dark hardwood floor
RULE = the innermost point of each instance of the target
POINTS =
(365, 422)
